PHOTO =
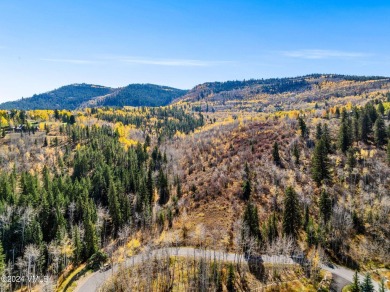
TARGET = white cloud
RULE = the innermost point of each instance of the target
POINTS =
(141, 61)
(323, 54)
(69, 61)
(170, 62)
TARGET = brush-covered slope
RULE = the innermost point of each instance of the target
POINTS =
(282, 93)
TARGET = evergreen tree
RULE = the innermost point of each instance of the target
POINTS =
(275, 153)
(272, 228)
(72, 120)
(149, 186)
(367, 285)
(379, 132)
(251, 220)
(318, 131)
(296, 153)
(246, 190)
(91, 242)
(326, 138)
(306, 216)
(337, 113)
(303, 127)
(355, 286)
(113, 205)
(246, 185)
(351, 159)
(78, 248)
(355, 129)
(364, 127)
(381, 108)
(344, 139)
(320, 163)
(56, 114)
(292, 214)
(325, 206)
(163, 188)
(230, 279)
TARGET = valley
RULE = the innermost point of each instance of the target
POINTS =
(255, 185)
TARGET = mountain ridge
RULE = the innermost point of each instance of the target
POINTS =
(82, 95)
(79, 95)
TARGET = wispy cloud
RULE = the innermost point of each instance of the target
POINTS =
(140, 61)
(323, 54)
(170, 62)
(69, 61)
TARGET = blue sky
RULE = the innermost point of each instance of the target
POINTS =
(49, 43)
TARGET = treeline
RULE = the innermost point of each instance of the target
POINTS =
(169, 120)
(275, 85)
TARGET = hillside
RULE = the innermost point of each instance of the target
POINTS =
(83, 95)
(138, 95)
(269, 95)
(94, 185)
(66, 97)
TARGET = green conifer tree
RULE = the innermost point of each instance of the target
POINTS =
(230, 279)
(303, 128)
(292, 217)
(367, 285)
(326, 138)
(364, 127)
(251, 220)
(320, 163)
(379, 132)
(355, 286)
(318, 131)
(296, 153)
(344, 138)
(325, 206)
(275, 153)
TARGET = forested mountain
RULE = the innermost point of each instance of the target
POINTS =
(66, 97)
(82, 95)
(138, 95)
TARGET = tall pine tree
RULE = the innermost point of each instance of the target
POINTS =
(292, 217)
(325, 206)
(344, 138)
(320, 163)
(379, 132)
(251, 220)
(275, 153)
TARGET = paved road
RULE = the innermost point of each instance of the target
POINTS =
(343, 276)
(94, 281)
(91, 283)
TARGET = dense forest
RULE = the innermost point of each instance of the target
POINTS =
(75, 96)
(142, 95)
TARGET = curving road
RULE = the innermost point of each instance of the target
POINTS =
(91, 283)
(343, 276)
